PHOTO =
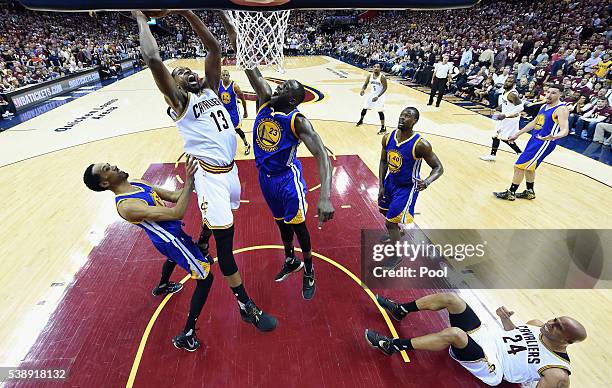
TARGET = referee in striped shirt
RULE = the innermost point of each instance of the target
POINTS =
(440, 79)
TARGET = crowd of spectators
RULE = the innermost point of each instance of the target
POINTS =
(537, 43)
(40, 46)
(565, 42)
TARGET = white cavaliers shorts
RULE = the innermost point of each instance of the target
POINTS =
(506, 128)
(377, 105)
(218, 194)
(488, 369)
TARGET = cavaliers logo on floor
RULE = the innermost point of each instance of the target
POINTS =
(312, 94)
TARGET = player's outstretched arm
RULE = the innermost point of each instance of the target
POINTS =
(212, 64)
(150, 53)
(504, 315)
(424, 150)
(535, 322)
(554, 378)
(312, 140)
(383, 167)
(135, 210)
(168, 195)
(526, 128)
(257, 81)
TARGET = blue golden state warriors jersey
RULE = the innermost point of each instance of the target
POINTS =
(275, 140)
(230, 101)
(159, 232)
(403, 165)
(545, 123)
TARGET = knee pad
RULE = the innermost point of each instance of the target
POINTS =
(381, 115)
(227, 264)
(303, 236)
(225, 240)
(471, 352)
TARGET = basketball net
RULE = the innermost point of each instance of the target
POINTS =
(261, 37)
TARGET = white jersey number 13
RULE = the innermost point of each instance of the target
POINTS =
(221, 121)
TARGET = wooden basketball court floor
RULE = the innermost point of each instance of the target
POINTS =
(77, 280)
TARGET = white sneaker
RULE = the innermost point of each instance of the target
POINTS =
(488, 158)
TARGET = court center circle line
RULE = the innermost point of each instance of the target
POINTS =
(151, 323)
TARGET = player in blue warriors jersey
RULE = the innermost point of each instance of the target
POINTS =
(399, 174)
(278, 130)
(550, 125)
(230, 93)
(142, 204)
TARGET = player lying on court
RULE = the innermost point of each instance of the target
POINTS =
(142, 204)
(208, 135)
(535, 351)
(278, 130)
(230, 93)
(551, 124)
(399, 174)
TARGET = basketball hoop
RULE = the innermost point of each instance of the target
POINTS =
(261, 37)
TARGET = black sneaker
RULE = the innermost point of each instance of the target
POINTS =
(308, 285)
(379, 342)
(168, 288)
(188, 342)
(288, 268)
(382, 131)
(392, 262)
(394, 308)
(360, 122)
(527, 194)
(507, 195)
(254, 315)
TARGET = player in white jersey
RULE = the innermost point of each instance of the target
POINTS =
(376, 100)
(508, 120)
(208, 135)
(535, 351)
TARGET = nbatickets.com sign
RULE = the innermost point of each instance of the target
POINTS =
(487, 259)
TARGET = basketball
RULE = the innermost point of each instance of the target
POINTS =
(156, 13)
